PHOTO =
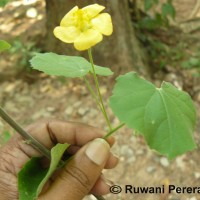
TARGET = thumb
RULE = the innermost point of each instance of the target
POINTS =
(80, 174)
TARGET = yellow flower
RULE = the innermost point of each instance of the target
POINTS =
(84, 27)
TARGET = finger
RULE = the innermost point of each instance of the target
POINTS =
(52, 132)
(112, 161)
(80, 174)
(49, 133)
(102, 186)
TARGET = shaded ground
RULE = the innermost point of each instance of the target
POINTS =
(37, 96)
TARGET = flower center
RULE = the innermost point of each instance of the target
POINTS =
(83, 21)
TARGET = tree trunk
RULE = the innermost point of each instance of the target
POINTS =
(121, 51)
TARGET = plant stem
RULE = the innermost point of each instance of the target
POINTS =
(92, 93)
(94, 96)
(113, 130)
(29, 139)
(98, 89)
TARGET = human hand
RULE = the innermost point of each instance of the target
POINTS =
(82, 174)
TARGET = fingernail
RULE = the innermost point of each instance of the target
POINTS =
(98, 151)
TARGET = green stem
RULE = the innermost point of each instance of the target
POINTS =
(29, 139)
(98, 89)
(94, 96)
(113, 130)
(92, 93)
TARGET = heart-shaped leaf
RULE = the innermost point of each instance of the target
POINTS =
(68, 66)
(164, 116)
(33, 176)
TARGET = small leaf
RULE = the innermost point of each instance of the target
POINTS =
(60, 65)
(164, 116)
(149, 3)
(102, 71)
(4, 45)
(194, 61)
(168, 9)
(33, 176)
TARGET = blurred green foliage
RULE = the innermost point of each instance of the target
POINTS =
(25, 51)
(4, 45)
(159, 19)
(4, 137)
(149, 26)
(162, 40)
(3, 2)
(192, 62)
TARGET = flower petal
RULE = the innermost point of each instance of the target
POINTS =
(70, 18)
(67, 34)
(88, 39)
(92, 10)
(103, 23)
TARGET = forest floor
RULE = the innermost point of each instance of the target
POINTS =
(30, 97)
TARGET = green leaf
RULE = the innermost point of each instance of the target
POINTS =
(149, 3)
(60, 65)
(164, 116)
(56, 155)
(68, 66)
(4, 45)
(3, 2)
(186, 64)
(194, 61)
(150, 23)
(168, 9)
(33, 176)
(29, 178)
(102, 71)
